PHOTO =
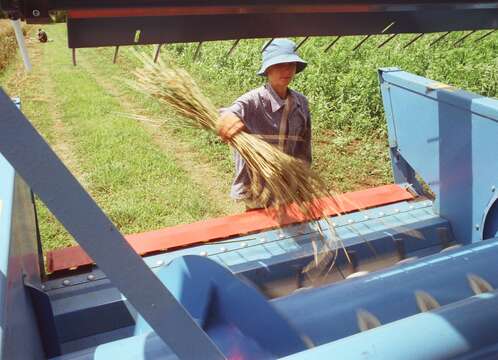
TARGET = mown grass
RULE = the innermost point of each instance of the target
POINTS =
(139, 187)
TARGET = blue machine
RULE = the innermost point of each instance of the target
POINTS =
(427, 273)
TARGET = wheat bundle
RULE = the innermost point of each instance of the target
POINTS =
(277, 178)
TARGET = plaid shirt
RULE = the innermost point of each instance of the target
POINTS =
(261, 111)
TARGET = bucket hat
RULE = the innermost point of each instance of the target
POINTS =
(281, 51)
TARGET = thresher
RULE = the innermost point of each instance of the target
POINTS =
(422, 277)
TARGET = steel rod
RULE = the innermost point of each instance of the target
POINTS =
(267, 44)
(198, 50)
(332, 43)
(235, 43)
(116, 51)
(440, 38)
(158, 50)
(16, 24)
(74, 56)
(361, 42)
(413, 40)
(302, 42)
(485, 35)
(387, 40)
(462, 39)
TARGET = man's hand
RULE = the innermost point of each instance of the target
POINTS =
(228, 126)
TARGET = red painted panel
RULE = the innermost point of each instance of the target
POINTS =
(229, 226)
(217, 10)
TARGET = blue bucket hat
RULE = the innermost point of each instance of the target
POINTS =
(281, 51)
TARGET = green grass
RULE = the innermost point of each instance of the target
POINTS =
(137, 185)
(142, 188)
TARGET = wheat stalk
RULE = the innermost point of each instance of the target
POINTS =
(276, 178)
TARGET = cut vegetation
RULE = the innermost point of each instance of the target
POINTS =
(145, 181)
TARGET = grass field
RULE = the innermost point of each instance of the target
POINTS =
(146, 177)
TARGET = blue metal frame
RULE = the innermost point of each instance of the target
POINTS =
(448, 137)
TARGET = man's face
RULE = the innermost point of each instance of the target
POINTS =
(281, 74)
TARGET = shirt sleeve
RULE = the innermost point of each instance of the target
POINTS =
(241, 107)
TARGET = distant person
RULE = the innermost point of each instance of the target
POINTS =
(276, 113)
(42, 36)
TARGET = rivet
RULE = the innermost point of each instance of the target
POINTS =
(493, 188)
(66, 282)
(243, 245)
(223, 249)
(203, 253)
(91, 277)
(36, 13)
(381, 214)
(334, 224)
(160, 262)
(281, 236)
(263, 240)
(411, 207)
(350, 221)
(366, 217)
(396, 211)
(477, 227)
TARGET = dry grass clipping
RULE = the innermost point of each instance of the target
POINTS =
(277, 179)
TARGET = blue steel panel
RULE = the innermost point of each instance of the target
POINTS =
(448, 136)
(462, 328)
(389, 294)
(18, 262)
(6, 203)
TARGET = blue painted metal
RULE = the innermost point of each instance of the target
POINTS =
(229, 310)
(19, 338)
(75, 209)
(272, 266)
(455, 330)
(389, 294)
(447, 136)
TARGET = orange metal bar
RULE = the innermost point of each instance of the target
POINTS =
(216, 10)
(225, 227)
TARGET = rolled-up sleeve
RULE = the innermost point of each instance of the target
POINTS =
(241, 107)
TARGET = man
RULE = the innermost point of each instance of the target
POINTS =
(274, 112)
(42, 36)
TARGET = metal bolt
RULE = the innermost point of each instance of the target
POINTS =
(91, 277)
(243, 245)
(203, 253)
(160, 262)
(493, 188)
(36, 13)
(66, 282)
(223, 249)
(477, 227)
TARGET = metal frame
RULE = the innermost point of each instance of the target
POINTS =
(47, 176)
